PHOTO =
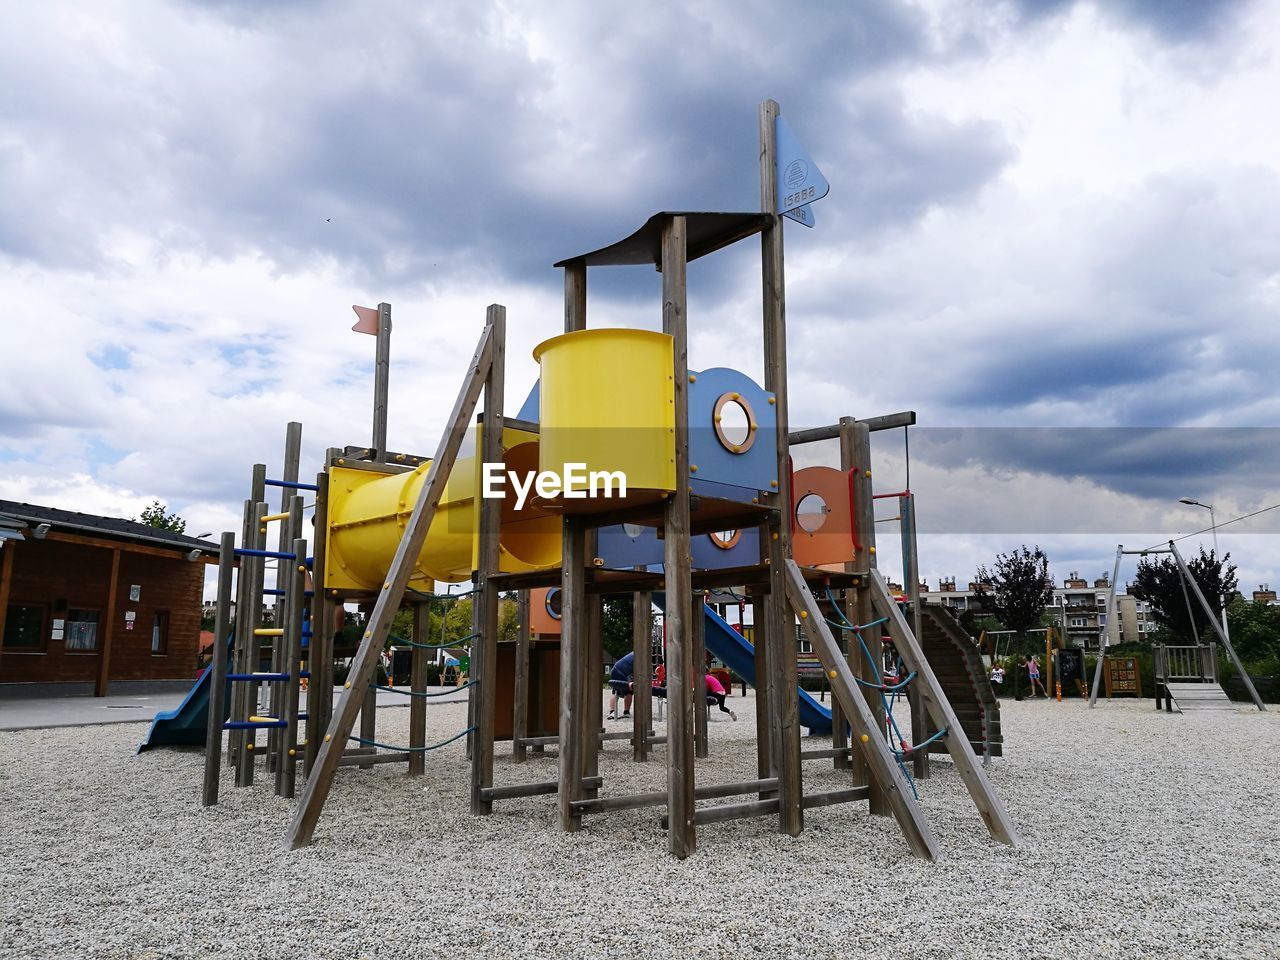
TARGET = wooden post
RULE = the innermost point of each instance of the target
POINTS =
(252, 570)
(320, 647)
(108, 632)
(398, 575)
(681, 837)
(766, 734)
(279, 645)
(573, 588)
(218, 677)
(593, 702)
(240, 645)
(642, 644)
(520, 720)
(287, 758)
(911, 583)
(781, 630)
(485, 603)
(381, 382)
(418, 686)
(855, 459)
(697, 629)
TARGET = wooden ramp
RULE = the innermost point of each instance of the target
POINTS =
(1195, 697)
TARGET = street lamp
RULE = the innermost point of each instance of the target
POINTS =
(1213, 526)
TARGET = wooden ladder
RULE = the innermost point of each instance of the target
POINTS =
(867, 733)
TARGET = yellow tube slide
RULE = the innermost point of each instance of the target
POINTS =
(368, 512)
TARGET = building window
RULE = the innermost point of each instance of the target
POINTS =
(24, 628)
(82, 630)
(1077, 621)
(160, 633)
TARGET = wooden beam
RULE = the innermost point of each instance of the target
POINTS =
(418, 686)
(520, 717)
(402, 567)
(291, 643)
(108, 633)
(681, 838)
(218, 677)
(780, 635)
(176, 553)
(484, 693)
(881, 764)
(935, 701)
(642, 644)
(889, 421)
(573, 652)
(697, 624)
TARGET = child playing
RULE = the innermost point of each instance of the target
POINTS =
(716, 694)
(1033, 674)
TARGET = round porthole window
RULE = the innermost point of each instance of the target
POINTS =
(555, 605)
(735, 423)
(726, 539)
(811, 513)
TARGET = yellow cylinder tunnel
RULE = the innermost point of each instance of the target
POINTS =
(607, 410)
(368, 512)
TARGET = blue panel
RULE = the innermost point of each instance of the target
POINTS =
(744, 553)
(799, 181)
(756, 467)
(622, 551)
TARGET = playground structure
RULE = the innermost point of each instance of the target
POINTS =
(1187, 676)
(710, 502)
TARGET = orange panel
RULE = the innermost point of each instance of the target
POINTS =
(544, 612)
(822, 517)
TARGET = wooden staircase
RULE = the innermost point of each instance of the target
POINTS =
(1194, 697)
(958, 665)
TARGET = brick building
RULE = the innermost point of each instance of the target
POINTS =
(96, 600)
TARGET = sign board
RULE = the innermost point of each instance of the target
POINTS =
(802, 215)
(1122, 677)
(799, 182)
(135, 592)
(1069, 665)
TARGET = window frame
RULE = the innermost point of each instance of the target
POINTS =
(160, 619)
(97, 635)
(45, 629)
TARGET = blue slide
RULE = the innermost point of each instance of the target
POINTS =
(733, 649)
(188, 724)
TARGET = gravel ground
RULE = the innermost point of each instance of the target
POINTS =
(1145, 835)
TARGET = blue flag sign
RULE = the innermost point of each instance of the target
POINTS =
(799, 181)
(802, 215)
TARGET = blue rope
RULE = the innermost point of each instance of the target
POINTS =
(920, 746)
(432, 746)
(890, 688)
(410, 693)
(439, 646)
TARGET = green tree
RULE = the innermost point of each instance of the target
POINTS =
(1255, 629)
(157, 515)
(1160, 584)
(1016, 589)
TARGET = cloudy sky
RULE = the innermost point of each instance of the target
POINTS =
(1053, 231)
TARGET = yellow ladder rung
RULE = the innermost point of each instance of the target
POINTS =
(273, 516)
(268, 632)
(264, 719)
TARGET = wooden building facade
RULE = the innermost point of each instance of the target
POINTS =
(96, 600)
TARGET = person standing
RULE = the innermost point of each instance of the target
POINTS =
(1033, 674)
(620, 683)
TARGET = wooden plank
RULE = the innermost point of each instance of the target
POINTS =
(642, 644)
(766, 735)
(520, 719)
(402, 566)
(832, 797)
(484, 693)
(985, 799)
(287, 530)
(881, 765)
(543, 788)
(920, 767)
(108, 628)
(593, 696)
(418, 686)
(366, 760)
(888, 421)
(780, 635)
(218, 679)
(682, 837)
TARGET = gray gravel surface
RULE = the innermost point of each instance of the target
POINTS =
(1145, 835)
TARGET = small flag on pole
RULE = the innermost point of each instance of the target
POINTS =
(368, 322)
(799, 181)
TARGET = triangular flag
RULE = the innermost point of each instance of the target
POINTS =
(802, 215)
(368, 322)
(799, 181)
